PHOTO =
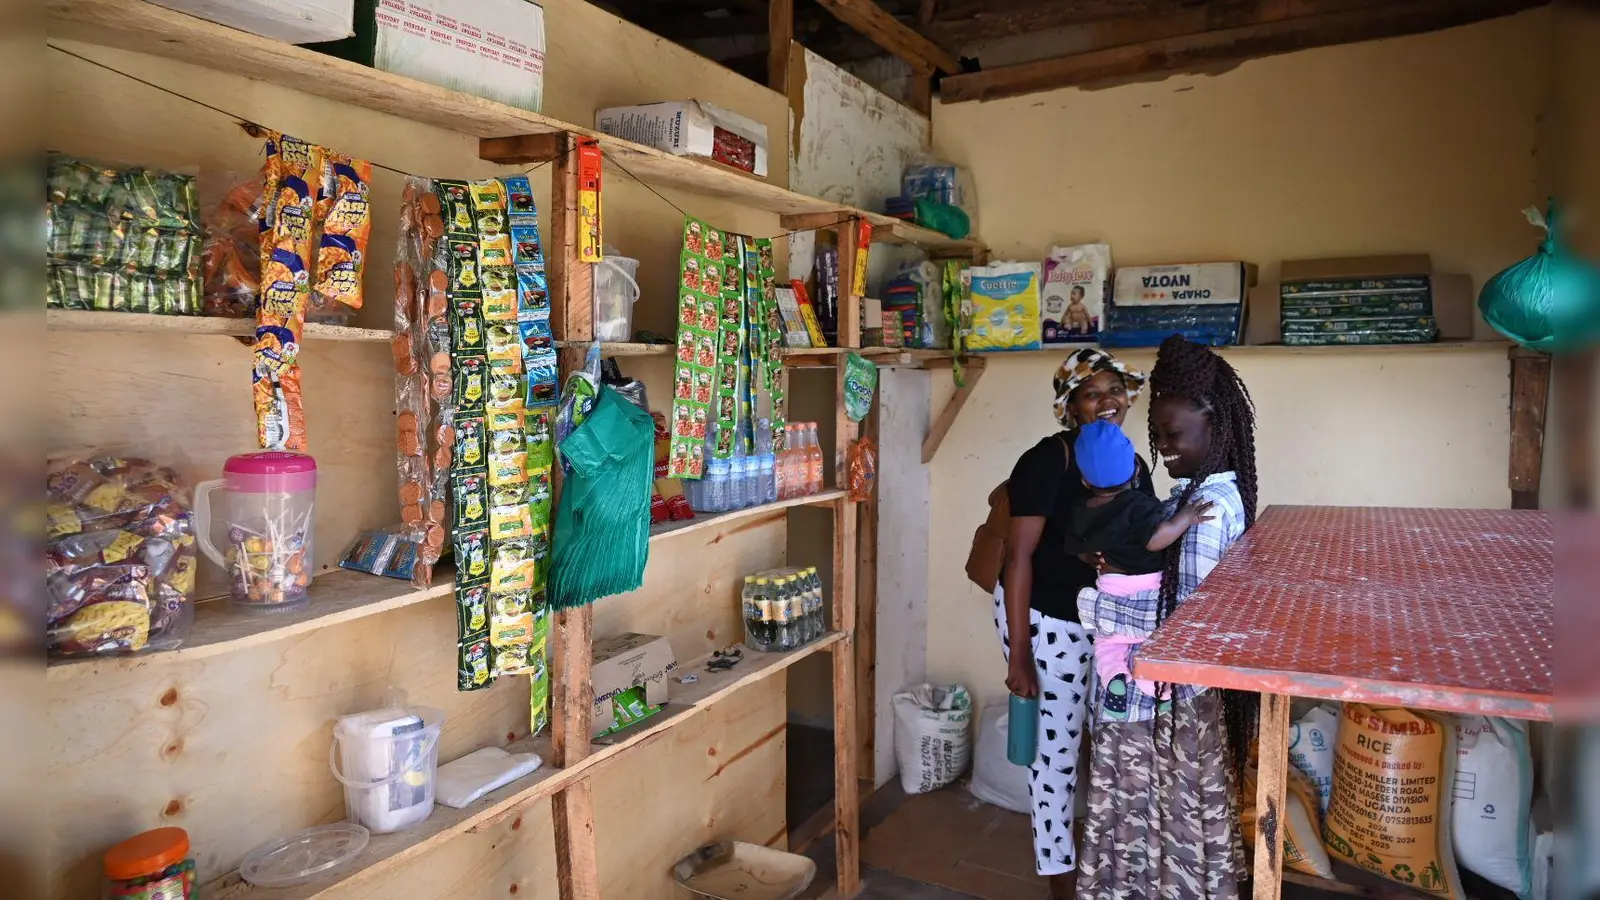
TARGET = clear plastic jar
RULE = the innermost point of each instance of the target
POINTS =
(154, 865)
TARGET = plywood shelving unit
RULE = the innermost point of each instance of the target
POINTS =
(223, 649)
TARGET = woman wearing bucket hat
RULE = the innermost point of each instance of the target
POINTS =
(1047, 650)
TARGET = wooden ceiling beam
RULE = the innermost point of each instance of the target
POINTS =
(1265, 38)
(889, 33)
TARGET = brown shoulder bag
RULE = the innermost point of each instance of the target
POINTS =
(987, 558)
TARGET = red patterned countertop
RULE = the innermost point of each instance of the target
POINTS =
(1442, 609)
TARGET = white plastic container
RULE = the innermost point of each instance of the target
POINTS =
(387, 761)
(615, 291)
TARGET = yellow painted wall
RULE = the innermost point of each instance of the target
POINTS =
(1423, 143)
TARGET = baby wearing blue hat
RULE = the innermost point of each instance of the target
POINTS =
(1128, 529)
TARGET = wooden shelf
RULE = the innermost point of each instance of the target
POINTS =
(886, 357)
(146, 28)
(389, 850)
(619, 349)
(700, 522)
(336, 597)
(889, 230)
(343, 596)
(147, 323)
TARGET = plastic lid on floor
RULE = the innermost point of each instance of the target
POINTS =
(304, 855)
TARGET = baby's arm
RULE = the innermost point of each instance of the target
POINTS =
(1172, 529)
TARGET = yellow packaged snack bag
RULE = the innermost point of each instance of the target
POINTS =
(1391, 803)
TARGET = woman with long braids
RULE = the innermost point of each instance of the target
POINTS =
(1162, 819)
(1035, 606)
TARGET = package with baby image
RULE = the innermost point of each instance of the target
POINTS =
(1072, 299)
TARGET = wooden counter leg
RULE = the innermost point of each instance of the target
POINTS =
(1272, 781)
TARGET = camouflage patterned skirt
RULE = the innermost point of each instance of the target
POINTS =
(1162, 822)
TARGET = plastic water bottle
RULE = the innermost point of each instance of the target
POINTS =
(813, 460)
(716, 486)
(1022, 730)
(767, 478)
(744, 474)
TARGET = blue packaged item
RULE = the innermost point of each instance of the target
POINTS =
(385, 553)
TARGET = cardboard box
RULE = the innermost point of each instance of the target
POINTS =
(625, 661)
(691, 128)
(1454, 303)
(489, 48)
(292, 21)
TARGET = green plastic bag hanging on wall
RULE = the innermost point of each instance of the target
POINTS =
(1549, 301)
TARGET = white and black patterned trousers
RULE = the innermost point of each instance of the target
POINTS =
(1063, 654)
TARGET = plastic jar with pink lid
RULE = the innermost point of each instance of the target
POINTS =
(261, 532)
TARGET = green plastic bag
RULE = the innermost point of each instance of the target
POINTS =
(942, 217)
(1549, 301)
(860, 383)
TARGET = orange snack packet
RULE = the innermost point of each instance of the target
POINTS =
(345, 213)
(286, 245)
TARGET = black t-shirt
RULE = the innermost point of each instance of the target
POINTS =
(1046, 482)
(1120, 528)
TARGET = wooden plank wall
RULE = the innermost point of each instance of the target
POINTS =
(234, 748)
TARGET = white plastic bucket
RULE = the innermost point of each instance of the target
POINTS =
(615, 292)
(388, 777)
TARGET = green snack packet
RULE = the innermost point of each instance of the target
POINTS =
(860, 383)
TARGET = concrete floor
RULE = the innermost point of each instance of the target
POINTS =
(940, 846)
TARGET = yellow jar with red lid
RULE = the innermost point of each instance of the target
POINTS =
(154, 865)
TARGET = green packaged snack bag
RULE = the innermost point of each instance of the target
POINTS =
(860, 383)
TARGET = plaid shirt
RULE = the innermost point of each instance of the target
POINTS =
(1135, 616)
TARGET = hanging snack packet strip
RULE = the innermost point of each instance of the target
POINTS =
(431, 342)
(730, 338)
(345, 214)
(694, 372)
(461, 333)
(426, 440)
(511, 564)
(292, 167)
(773, 380)
(529, 308)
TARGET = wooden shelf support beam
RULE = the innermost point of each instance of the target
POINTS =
(571, 281)
(1270, 34)
(974, 367)
(1530, 398)
(780, 35)
(883, 29)
(522, 149)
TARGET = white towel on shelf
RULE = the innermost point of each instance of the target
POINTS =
(481, 771)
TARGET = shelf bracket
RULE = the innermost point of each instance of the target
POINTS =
(1530, 397)
(521, 149)
(947, 416)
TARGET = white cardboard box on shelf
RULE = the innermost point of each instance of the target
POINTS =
(293, 21)
(691, 128)
(626, 661)
(488, 48)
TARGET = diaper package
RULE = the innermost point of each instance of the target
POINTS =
(1076, 281)
(1004, 299)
